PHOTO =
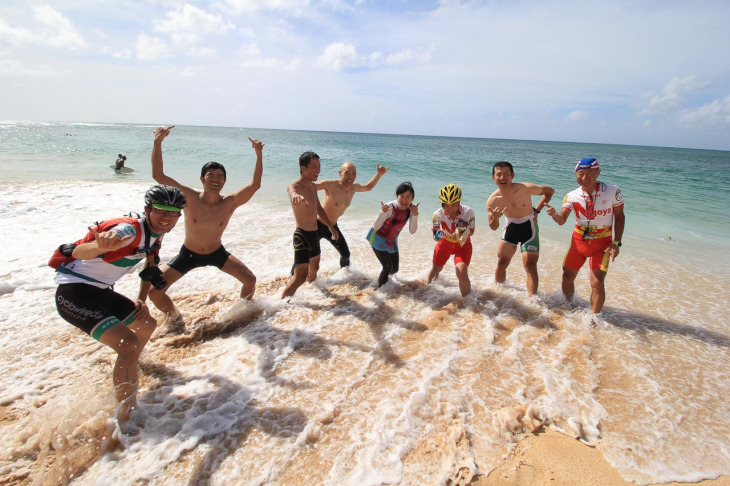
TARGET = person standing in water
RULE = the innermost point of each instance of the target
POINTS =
(85, 296)
(383, 236)
(206, 218)
(599, 227)
(453, 225)
(514, 201)
(338, 194)
(308, 214)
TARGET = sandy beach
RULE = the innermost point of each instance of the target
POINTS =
(551, 458)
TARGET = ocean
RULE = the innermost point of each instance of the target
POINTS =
(346, 383)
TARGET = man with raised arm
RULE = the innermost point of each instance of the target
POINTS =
(307, 213)
(338, 194)
(514, 201)
(206, 218)
(599, 227)
(88, 270)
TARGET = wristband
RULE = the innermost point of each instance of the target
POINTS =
(617, 243)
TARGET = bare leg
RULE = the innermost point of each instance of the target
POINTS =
(128, 348)
(313, 268)
(296, 280)
(568, 283)
(598, 290)
(462, 274)
(529, 260)
(236, 268)
(159, 297)
(505, 251)
(434, 273)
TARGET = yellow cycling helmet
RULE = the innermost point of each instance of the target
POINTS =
(450, 194)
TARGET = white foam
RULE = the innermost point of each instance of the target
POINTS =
(348, 383)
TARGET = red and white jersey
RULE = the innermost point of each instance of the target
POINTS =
(464, 219)
(111, 266)
(596, 209)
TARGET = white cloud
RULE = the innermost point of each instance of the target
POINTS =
(150, 48)
(293, 6)
(14, 35)
(187, 24)
(11, 67)
(673, 96)
(577, 116)
(338, 56)
(406, 56)
(711, 114)
(197, 51)
(58, 30)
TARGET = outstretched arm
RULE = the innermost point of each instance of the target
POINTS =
(247, 192)
(379, 172)
(158, 172)
(559, 217)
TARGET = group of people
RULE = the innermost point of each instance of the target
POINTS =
(86, 299)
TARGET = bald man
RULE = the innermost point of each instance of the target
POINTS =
(338, 194)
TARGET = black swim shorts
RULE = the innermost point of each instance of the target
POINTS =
(306, 246)
(187, 260)
(91, 309)
(526, 233)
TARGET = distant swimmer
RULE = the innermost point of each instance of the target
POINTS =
(308, 214)
(120, 162)
(453, 225)
(338, 194)
(599, 227)
(383, 236)
(206, 218)
(85, 295)
(514, 201)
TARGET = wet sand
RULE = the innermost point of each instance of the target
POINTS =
(549, 457)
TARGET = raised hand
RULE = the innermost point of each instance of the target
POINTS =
(257, 144)
(110, 240)
(414, 209)
(380, 170)
(384, 207)
(161, 133)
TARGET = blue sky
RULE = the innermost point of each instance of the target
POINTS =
(628, 72)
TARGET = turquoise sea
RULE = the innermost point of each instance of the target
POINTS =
(345, 383)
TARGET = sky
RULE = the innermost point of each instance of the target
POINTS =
(639, 72)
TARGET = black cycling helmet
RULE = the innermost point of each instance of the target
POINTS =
(164, 195)
(450, 194)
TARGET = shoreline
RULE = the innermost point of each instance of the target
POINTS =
(549, 457)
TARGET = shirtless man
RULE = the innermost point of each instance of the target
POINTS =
(599, 227)
(206, 218)
(307, 213)
(338, 195)
(514, 200)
